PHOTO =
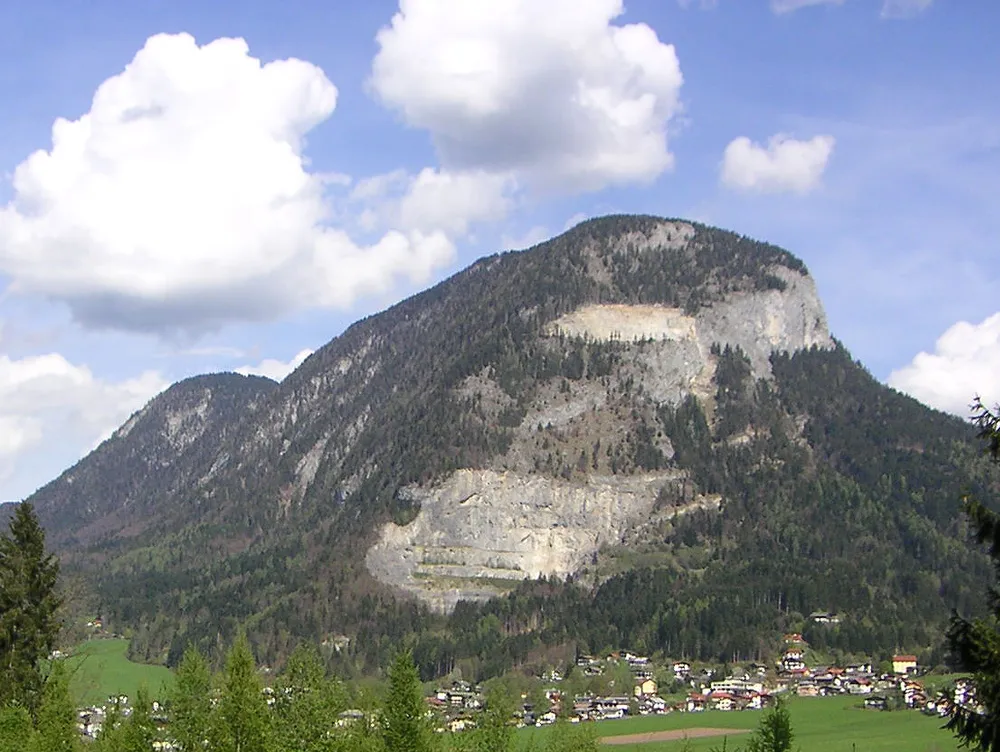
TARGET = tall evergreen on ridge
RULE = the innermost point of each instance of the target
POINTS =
(975, 644)
(404, 728)
(28, 606)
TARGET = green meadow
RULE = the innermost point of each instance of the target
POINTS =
(820, 725)
(99, 668)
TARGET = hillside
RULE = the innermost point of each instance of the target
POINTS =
(652, 407)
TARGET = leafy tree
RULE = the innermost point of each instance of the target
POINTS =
(190, 702)
(975, 645)
(28, 605)
(404, 727)
(56, 724)
(243, 722)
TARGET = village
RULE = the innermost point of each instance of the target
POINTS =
(644, 686)
(751, 687)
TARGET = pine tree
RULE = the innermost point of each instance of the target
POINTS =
(28, 605)
(243, 722)
(190, 702)
(404, 728)
(975, 645)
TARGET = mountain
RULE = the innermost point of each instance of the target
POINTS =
(653, 409)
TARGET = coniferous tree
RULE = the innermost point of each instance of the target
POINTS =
(190, 702)
(28, 605)
(16, 731)
(56, 726)
(136, 733)
(493, 734)
(140, 730)
(307, 704)
(774, 732)
(243, 720)
(975, 645)
(404, 726)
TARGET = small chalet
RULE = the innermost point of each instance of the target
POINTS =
(645, 687)
(904, 664)
(824, 617)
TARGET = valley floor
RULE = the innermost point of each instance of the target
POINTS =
(834, 724)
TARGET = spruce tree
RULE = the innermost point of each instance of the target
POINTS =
(243, 719)
(404, 728)
(307, 704)
(56, 726)
(16, 731)
(28, 606)
(774, 732)
(975, 645)
(190, 702)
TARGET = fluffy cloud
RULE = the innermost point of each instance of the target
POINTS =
(182, 199)
(435, 199)
(965, 363)
(275, 369)
(784, 165)
(47, 401)
(553, 92)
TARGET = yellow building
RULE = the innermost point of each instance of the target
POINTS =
(645, 687)
(904, 664)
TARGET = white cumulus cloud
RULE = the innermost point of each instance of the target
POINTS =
(965, 364)
(182, 199)
(434, 199)
(784, 165)
(275, 369)
(553, 91)
(47, 401)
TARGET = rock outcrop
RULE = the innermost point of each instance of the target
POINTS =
(481, 531)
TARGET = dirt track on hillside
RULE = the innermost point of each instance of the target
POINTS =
(670, 736)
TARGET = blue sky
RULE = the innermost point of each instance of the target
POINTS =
(204, 204)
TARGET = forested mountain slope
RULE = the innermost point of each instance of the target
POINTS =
(651, 407)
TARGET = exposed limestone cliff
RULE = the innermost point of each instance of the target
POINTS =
(481, 530)
(758, 322)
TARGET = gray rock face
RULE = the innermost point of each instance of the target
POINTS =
(481, 531)
(759, 323)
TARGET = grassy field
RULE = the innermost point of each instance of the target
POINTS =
(99, 668)
(820, 725)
